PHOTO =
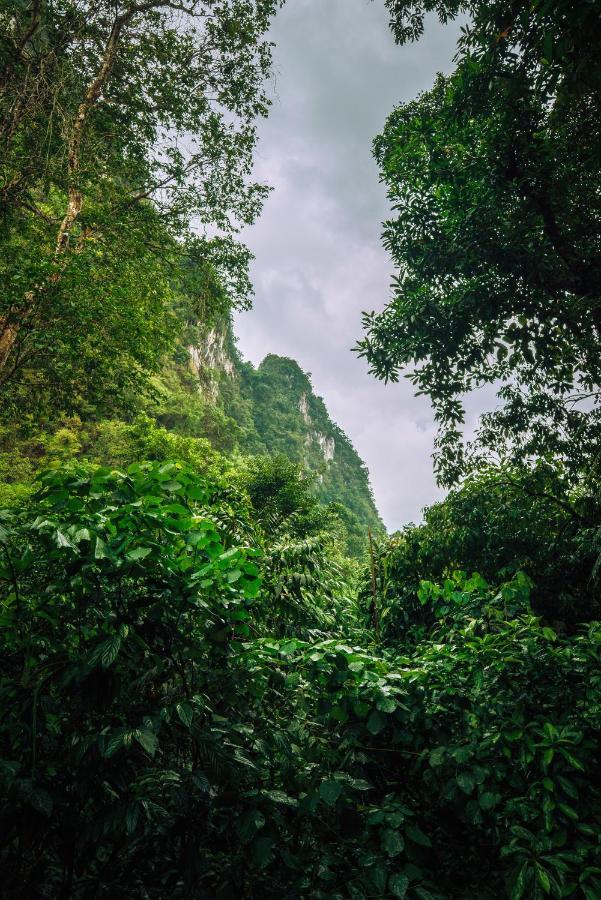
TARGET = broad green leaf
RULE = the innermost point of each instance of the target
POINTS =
(356, 665)
(376, 722)
(330, 791)
(568, 786)
(398, 885)
(543, 878)
(100, 549)
(437, 756)
(110, 651)
(114, 742)
(139, 553)
(262, 851)
(361, 709)
(148, 740)
(520, 881)
(417, 835)
(487, 800)
(280, 797)
(131, 817)
(466, 782)
(201, 781)
(569, 757)
(172, 486)
(392, 842)
(185, 713)
(386, 704)
(63, 541)
(339, 714)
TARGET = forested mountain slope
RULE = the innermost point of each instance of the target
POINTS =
(277, 412)
(204, 392)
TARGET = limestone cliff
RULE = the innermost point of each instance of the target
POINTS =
(276, 411)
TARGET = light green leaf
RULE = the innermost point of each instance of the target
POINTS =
(280, 797)
(63, 541)
(139, 553)
(543, 879)
(100, 550)
(386, 705)
(437, 756)
(356, 665)
(171, 486)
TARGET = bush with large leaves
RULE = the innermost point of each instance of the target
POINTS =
(156, 740)
(468, 767)
(501, 521)
(123, 740)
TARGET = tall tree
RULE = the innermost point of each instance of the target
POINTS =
(496, 231)
(120, 124)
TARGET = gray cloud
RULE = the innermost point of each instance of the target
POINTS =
(319, 261)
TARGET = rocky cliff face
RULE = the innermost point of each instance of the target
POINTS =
(276, 411)
(212, 352)
(209, 358)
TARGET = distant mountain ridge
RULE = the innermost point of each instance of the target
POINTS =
(277, 411)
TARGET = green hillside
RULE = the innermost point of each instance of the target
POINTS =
(205, 395)
(292, 420)
(277, 412)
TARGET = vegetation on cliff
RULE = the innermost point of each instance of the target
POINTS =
(211, 684)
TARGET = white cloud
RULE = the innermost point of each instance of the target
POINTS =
(319, 261)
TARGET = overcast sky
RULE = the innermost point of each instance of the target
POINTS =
(319, 260)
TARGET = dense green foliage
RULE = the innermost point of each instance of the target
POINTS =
(195, 414)
(496, 231)
(119, 122)
(289, 419)
(124, 130)
(500, 523)
(273, 409)
(212, 684)
(184, 714)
